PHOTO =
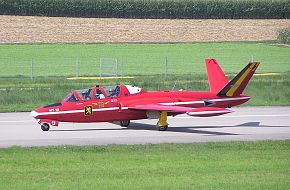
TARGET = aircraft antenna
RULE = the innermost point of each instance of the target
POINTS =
(174, 85)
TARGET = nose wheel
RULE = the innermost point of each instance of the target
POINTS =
(162, 124)
(45, 126)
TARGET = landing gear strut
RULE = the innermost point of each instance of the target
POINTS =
(45, 126)
(162, 124)
(125, 123)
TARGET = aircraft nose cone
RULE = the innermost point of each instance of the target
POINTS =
(33, 113)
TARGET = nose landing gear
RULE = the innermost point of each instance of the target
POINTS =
(45, 126)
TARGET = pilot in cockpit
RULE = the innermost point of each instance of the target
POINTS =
(114, 92)
(86, 95)
(99, 94)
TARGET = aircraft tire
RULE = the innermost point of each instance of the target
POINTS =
(45, 127)
(162, 128)
(125, 123)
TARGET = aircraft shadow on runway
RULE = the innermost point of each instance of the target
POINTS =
(140, 126)
(257, 124)
(185, 129)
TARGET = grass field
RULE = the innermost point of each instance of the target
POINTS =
(231, 165)
(186, 69)
(139, 59)
(23, 95)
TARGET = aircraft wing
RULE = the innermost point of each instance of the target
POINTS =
(158, 107)
(208, 111)
(198, 112)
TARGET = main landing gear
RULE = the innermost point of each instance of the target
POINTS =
(162, 124)
(125, 123)
(45, 126)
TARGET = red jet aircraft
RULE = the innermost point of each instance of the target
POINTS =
(123, 103)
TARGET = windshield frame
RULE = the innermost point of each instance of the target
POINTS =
(73, 93)
(112, 91)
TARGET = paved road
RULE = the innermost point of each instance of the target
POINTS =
(245, 124)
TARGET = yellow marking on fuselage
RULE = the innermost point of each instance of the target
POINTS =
(101, 104)
(88, 110)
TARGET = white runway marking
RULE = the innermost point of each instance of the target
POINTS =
(11, 121)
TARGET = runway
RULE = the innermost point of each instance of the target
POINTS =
(245, 124)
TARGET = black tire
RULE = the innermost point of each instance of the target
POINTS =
(125, 123)
(45, 126)
(162, 128)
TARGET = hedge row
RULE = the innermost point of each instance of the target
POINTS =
(194, 9)
(284, 36)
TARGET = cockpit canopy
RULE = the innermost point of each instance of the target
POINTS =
(102, 92)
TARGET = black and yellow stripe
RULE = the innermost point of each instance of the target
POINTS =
(239, 82)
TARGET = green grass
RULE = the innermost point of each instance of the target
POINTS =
(25, 95)
(139, 59)
(232, 165)
(186, 69)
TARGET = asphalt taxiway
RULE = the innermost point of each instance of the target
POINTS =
(245, 124)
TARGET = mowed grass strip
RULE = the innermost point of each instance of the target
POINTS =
(138, 59)
(230, 165)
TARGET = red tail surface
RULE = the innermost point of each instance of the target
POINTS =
(216, 77)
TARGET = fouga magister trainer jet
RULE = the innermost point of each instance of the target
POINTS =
(123, 103)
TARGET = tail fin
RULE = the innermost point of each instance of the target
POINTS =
(216, 77)
(237, 85)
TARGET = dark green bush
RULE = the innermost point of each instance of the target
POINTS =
(195, 9)
(284, 36)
